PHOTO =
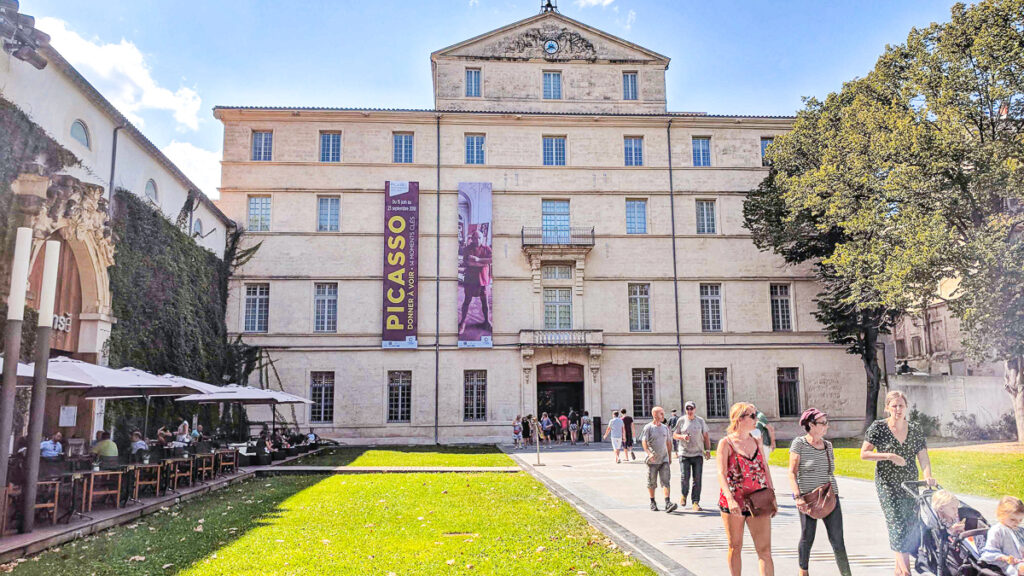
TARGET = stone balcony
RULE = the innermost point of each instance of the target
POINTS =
(561, 338)
(558, 244)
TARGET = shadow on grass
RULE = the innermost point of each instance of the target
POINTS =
(176, 538)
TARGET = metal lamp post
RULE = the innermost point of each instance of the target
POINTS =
(12, 344)
(37, 412)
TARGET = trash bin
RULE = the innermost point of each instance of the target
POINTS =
(598, 431)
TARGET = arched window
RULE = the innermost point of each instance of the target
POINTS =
(80, 132)
(197, 227)
(151, 191)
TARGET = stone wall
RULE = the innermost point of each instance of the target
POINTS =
(944, 396)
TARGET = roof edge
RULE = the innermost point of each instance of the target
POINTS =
(219, 108)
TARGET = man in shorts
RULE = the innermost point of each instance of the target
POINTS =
(627, 438)
(615, 428)
(656, 439)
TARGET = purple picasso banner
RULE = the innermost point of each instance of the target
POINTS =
(474, 292)
(401, 233)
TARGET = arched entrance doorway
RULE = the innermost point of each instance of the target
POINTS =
(559, 388)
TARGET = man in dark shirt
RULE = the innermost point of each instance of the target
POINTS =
(477, 259)
(627, 442)
(672, 426)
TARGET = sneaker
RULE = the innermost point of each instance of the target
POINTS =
(682, 502)
(697, 508)
(654, 507)
(633, 456)
(670, 507)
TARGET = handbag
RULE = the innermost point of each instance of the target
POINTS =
(761, 502)
(821, 501)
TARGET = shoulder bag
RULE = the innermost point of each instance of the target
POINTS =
(821, 501)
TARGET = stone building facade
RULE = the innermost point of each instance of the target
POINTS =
(622, 274)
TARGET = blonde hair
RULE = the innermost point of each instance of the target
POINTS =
(943, 498)
(736, 412)
(893, 396)
(1009, 506)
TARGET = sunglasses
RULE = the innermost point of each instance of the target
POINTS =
(751, 415)
(690, 409)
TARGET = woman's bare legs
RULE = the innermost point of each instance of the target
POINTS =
(761, 533)
(902, 564)
(734, 530)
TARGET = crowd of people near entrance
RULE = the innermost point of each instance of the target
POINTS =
(747, 497)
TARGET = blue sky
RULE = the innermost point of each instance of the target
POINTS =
(166, 63)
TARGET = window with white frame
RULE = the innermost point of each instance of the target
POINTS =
(552, 85)
(402, 150)
(474, 408)
(399, 395)
(789, 392)
(554, 150)
(474, 148)
(197, 228)
(636, 216)
(639, 307)
(330, 146)
(711, 307)
(472, 82)
(629, 91)
(634, 150)
(321, 392)
(556, 272)
(262, 146)
(152, 194)
(328, 213)
(706, 217)
(259, 213)
(325, 307)
(257, 307)
(701, 151)
(643, 391)
(716, 390)
(80, 133)
(782, 318)
(765, 143)
(557, 308)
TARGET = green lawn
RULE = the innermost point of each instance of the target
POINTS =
(437, 456)
(410, 524)
(961, 471)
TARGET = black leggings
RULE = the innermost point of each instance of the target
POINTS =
(834, 526)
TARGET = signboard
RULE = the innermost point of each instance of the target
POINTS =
(476, 312)
(401, 250)
(68, 417)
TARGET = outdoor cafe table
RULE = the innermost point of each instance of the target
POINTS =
(176, 470)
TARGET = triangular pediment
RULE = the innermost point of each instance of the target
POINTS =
(527, 39)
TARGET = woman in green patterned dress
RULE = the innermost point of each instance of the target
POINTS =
(897, 463)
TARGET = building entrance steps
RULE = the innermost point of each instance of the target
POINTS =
(614, 498)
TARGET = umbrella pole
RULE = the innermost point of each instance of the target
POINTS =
(145, 422)
(273, 419)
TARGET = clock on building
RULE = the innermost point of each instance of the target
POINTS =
(551, 46)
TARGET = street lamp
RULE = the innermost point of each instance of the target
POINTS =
(19, 35)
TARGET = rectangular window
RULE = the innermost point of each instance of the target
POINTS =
(262, 146)
(765, 143)
(552, 85)
(330, 146)
(259, 213)
(554, 221)
(328, 209)
(472, 82)
(557, 308)
(639, 307)
(782, 319)
(938, 337)
(711, 307)
(915, 346)
(556, 272)
(474, 148)
(702, 151)
(257, 307)
(629, 86)
(643, 391)
(325, 307)
(399, 396)
(789, 392)
(475, 396)
(402, 153)
(706, 217)
(634, 150)
(554, 150)
(321, 392)
(636, 216)
(901, 348)
(717, 392)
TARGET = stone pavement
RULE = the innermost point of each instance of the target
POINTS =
(614, 497)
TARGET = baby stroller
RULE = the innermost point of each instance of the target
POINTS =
(937, 552)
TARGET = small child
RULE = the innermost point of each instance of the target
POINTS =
(947, 507)
(517, 432)
(1004, 544)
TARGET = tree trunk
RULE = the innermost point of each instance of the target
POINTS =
(1013, 380)
(874, 376)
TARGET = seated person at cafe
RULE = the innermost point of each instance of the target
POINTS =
(97, 439)
(106, 446)
(263, 445)
(312, 437)
(197, 434)
(52, 447)
(138, 444)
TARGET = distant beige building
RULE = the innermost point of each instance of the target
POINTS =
(569, 126)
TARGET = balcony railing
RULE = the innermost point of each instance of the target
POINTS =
(558, 236)
(570, 338)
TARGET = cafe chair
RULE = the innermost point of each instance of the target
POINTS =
(47, 501)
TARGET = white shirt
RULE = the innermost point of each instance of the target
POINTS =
(617, 426)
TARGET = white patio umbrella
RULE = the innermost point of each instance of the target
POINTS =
(26, 372)
(248, 395)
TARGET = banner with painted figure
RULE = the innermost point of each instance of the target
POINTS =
(401, 251)
(475, 240)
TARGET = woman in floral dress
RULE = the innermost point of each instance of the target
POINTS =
(896, 445)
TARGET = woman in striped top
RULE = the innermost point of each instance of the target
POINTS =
(811, 464)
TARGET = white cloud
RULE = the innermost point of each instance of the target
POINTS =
(119, 71)
(630, 18)
(200, 165)
(589, 3)
(474, 2)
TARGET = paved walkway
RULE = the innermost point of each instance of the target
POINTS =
(614, 497)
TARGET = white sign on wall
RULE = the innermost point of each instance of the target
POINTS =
(68, 416)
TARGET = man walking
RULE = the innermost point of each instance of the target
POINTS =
(691, 432)
(672, 426)
(615, 428)
(657, 442)
(627, 440)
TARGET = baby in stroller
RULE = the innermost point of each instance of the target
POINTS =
(1004, 544)
(950, 535)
